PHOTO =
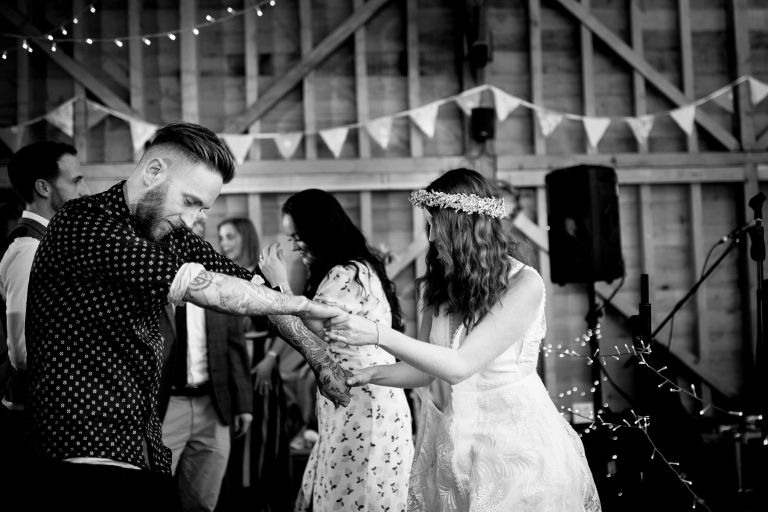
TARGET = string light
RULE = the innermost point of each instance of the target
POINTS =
(119, 43)
(210, 19)
(53, 47)
(5, 55)
(147, 41)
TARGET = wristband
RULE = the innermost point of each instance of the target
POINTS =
(272, 353)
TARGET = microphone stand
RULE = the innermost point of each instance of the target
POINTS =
(757, 253)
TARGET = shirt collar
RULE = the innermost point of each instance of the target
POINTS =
(26, 214)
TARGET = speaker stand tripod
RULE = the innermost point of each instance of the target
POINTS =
(593, 315)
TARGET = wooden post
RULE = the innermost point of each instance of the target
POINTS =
(308, 84)
(537, 72)
(190, 106)
(361, 88)
(251, 55)
(587, 75)
(638, 81)
(412, 49)
(80, 118)
(686, 56)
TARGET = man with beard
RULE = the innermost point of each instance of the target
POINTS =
(45, 175)
(102, 277)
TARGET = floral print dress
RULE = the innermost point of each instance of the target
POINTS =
(363, 457)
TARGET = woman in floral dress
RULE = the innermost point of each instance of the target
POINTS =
(363, 456)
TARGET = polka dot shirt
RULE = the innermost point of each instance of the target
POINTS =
(96, 293)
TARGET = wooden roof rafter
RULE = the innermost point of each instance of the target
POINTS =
(72, 67)
(654, 77)
(308, 63)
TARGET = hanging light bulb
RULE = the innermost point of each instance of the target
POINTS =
(172, 36)
(209, 18)
(92, 9)
(53, 47)
(272, 3)
(50, 37)
(29, 49)
(258, 12)
(119, 43)
(63, 31)
(75, 21)
(147, 41)
(24, 44)
(89, 41)
(196, 31)
(5, 55)
(230, 10)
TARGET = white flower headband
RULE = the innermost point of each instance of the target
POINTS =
(467, 203)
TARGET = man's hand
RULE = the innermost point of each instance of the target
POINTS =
(242, 423)
(332, 383)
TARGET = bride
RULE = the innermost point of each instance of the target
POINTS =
(501, 445)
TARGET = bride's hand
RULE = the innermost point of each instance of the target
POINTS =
(352, 330)
(362, 376)
(273, 266)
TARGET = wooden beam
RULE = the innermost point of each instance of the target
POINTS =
(190, 93)
(403, 260)
(649, 72)
(587, 75)
(254, 212)
(251, 55)
(702, 349)
(414, 93)
(740, 56)
(686, 57)
(23, 91)
(366, 214)
(636, 15)
(361, 87)
(75, 69)
(537, 72)
(136, 56)
(291, 79)
(80, 114)
(308, 82)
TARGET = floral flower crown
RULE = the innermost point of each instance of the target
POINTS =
(467, 203)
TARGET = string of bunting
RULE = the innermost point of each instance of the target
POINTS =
(61, 34)
(380, 129)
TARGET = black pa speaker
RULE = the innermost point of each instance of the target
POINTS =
(482, 124)
(584, 230)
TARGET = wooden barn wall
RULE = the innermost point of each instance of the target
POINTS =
(678, 194)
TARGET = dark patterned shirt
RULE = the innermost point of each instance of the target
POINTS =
(96, 292)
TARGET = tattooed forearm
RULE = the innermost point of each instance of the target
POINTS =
(237, 296)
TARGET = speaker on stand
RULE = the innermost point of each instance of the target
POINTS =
(584, 238)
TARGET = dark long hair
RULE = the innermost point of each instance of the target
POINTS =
(332, 239)
(246, 229)
(468, 264)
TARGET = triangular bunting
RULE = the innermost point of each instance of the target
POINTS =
(12, 137)
(380, 129)
(425, 118)
(725, 100)
(141, 132)
(468, 101)
(62, 118)
(595, 128)
(287, 143)
(758, 89)
(94, 113)
(334, 138)
(548, 121)
(641, 127)
(684, 117)
(505, 103)
(239, 145)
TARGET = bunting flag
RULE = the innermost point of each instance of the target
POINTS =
(12, 136)
(595, 128)
(334, 138)
(380, 130)
(548, 121)
(641, 127)
(505, 103)
(94, 114)
(287, 143)
(684, 117)
(468, 101)
(425, 118)
(758, 89)
(238, 144)
(725, 100)
(141, 132)
(62, 117)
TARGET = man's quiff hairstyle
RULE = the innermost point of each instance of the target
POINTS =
(37, 161)
(197, 143)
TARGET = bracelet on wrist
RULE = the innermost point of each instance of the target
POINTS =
(378, 334)
(272, 353)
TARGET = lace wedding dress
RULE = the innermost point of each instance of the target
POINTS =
(501, 445)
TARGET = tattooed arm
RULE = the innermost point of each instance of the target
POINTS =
(239, 297)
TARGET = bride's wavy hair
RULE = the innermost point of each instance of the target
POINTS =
(468, 264)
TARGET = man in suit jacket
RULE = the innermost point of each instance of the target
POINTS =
(206, 386)
(45, 175)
